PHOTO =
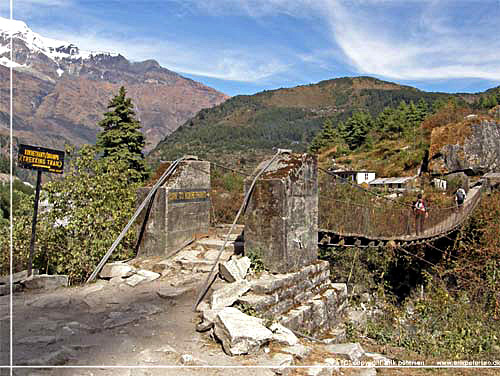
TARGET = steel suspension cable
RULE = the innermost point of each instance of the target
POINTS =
(153, 190)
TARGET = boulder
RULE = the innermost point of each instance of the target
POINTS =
(228, 294)
(235, 269)
(283, 335)
(116, 269)
(353, 351)
(470, 145)
(45, 281)
(16, 277)
(208, 320)
(240, 333)
(280, 362)
(299, 351)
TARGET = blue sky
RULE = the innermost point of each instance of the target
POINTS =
(246, 46)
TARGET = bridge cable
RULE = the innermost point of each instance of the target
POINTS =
(377, 194)
(153, 190)
(211, 275)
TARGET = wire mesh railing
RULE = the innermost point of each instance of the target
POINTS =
(355, 214)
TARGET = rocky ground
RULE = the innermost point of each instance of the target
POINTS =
(149, 329)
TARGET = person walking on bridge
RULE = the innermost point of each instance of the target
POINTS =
(460, 197)
(420, 211)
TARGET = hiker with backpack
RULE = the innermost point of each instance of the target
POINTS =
(421, 213)
(460, 197)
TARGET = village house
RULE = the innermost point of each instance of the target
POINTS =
(355, 176)
(394, 184)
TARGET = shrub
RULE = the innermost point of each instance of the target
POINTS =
(82, 216)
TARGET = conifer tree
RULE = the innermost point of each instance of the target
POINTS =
(355, 130)
(121, 137)
(327, 136)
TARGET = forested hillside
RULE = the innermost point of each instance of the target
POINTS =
(245, 128)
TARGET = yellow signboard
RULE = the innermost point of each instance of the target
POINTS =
(187, 195)
(42, 159)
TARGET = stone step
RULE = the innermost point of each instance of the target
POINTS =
(200, 261)
(216, 244)
(316, 315)
(222, 229)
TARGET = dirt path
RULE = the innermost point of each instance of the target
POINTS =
(108, 325)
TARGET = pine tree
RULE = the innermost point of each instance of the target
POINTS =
(121, 137)
(355, 130)
(327, 136)
(423, 109)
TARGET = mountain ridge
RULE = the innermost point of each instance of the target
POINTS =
(61, 92)
(248, 127)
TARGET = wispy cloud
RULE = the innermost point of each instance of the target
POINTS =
(430, 43)
(396, 39)
(25, 8)
(409, 40)
(235, 64)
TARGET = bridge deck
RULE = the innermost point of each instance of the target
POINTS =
(439, 223)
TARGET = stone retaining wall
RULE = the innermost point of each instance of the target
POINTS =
(305, 300)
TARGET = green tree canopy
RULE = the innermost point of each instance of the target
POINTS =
(355, 129)
(121, 137)
(326, 137)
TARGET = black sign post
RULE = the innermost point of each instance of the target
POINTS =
(39, 159)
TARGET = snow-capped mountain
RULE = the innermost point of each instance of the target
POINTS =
(52, 48)
(61, 92)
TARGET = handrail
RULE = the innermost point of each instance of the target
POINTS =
(388, 223)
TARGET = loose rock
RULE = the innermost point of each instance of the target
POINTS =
(228, 294)
(240, 333)
(116, 269)
(171, 292)
(352, 350)
(45, 281)
(299, 351)
(280, 362)
(283, 335)
(235, 269)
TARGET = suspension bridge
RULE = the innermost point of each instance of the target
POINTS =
(348, 214)
(379, 219)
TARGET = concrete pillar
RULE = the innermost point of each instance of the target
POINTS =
(281, 221)
(180, 211)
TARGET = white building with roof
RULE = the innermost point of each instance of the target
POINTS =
(355, 176)
(397, 183)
